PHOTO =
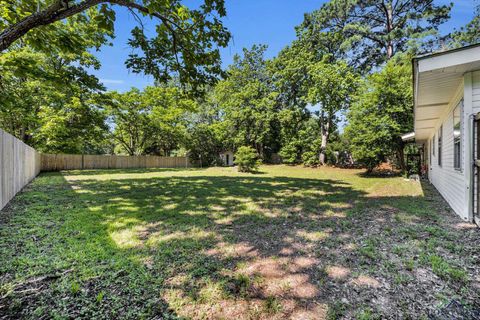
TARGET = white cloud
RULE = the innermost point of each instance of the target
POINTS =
(112, 81)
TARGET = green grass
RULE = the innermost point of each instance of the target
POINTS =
(444, 269)
(215, 243)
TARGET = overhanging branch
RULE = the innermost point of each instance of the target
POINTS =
(61, 10)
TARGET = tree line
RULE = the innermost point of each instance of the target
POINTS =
(341, 91)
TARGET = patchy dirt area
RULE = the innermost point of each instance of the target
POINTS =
(289, 243)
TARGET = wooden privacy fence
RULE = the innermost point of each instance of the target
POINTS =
(55, 162)
(19, 164)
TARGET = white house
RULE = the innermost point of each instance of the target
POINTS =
(447, 101)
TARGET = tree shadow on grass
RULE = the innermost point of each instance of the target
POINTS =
(94, 172)
(217, 246)
(380, 174)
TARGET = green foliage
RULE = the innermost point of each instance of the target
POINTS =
(381, 113)
(133, 128)
(289, 153)
(75, 288)
(336, 310)
(77, 127)
(294, 122)
(246, 159)
(331, 86)
(204, 144)
(467, 35)
(170, 107)
(43, 110)
(288, 72)
(291, 105)
(207, 132)
(367, 314)
(339, 150)
(273, 305)
(369, 33)
(444, 269)
(52, 102)
(152, 121)
(310, 158)
(184, 45)
(49, 98)
(248, 100)
(64, 38)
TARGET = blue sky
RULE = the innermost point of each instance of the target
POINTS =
(251, 22)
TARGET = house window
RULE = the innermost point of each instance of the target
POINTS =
(440, 138)
(457, 136)
(433, 145)
(430, 154)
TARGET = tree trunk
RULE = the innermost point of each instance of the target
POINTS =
(401, 159)
(323, 147)
(389, 30)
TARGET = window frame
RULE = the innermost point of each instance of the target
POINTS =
(430, 153)
(440, 145)
(433, 144)
(458, 142)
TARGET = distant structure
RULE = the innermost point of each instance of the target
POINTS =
(476, 4)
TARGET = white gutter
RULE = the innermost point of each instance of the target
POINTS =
(408, 136)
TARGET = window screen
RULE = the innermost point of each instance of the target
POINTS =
(440, 138)
(457, 136)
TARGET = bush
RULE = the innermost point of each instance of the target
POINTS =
(289, 154)
(310, 158)
(246, 159)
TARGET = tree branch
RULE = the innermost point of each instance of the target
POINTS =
(60, 10)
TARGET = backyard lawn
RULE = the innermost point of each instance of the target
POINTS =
(288, 242)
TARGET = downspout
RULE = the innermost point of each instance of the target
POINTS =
(469, 139)
(415, 89)
(473, 119)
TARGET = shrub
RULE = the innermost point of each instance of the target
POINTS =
(246, 159)
(310, 158)
(289, 154)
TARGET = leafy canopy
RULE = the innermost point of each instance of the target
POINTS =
(184, 45)
(468, 34)
(370, 32)
(248, 99)
(381, 113)
(151, 121)
(51, 102)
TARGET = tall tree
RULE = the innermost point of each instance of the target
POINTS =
(381, 113)
(331, 87)
(41, 94)
(372, 31)
(130, 117)
(467, 35)
(184, 44)
(49, 83)
(169, 109)
(248, 99)
(290, 77)
(152, 121)
(207, 131)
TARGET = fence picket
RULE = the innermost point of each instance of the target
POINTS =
(19, 164)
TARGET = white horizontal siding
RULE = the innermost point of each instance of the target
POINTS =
(451, 183)
(476, 91)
